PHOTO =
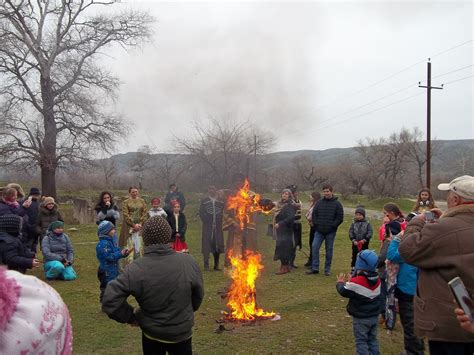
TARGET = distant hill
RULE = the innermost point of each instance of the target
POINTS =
(447, 153)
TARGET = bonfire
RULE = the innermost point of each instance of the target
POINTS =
(246, 264)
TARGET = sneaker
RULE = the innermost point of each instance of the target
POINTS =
(312, 272)
(327, 273)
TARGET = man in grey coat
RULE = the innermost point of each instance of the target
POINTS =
(167, 285)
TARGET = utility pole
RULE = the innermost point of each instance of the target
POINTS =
(255, 159)
(428, 88)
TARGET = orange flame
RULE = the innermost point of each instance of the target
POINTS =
(245, 202)
(246, 266)
(242, 294)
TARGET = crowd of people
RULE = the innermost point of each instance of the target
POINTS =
(408, 275)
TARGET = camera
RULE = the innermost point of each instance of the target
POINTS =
(429, 216)
(411, 215)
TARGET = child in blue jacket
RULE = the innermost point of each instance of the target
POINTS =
(404, 292)
(108, 254)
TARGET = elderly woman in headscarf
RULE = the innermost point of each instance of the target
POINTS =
(283, 229)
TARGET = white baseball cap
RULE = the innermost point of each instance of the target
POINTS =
(463, 186)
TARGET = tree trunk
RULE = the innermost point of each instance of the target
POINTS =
(49, 161)
(48, 180)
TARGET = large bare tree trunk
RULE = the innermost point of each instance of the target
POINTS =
(49, 161)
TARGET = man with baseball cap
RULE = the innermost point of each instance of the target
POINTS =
(443, 250)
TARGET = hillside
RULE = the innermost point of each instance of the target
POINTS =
(447, 154)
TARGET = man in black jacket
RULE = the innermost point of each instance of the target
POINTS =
(327, 216)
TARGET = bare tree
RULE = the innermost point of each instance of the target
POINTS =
(373, 156)
(142, 163)
(222, 148)
(109, 168)
(170, 167)
(53, 93)
(310, 174)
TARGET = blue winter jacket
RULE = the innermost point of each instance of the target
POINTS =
(108, 254)
(408, 274)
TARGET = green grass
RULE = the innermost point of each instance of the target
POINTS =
(314, 319)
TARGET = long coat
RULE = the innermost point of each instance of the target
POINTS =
(182, 226)
(211, 216)
(284, 233)
(134, 211)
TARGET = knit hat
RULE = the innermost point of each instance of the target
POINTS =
(105, 227)
(156, 231)
(11, 224)
(33, 317)
(361, 210)
(47, 201)
(34, 191)
(56, 224)
(395, 227)
(366, 260)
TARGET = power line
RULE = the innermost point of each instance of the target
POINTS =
(365, 113)
(350, 95)
(454, 47)
(369, 103)
(453, 71)
(396, 73)
(454, 81)
(382, 107)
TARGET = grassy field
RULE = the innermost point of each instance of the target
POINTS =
(313, 315)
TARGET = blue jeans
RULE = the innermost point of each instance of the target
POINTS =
(56, 270)
(365, 334)
(329, 244)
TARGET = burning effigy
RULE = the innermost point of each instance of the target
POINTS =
(246, 264)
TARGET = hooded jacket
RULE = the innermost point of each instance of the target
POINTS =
(13, 254)
(363, 292)
(45, 218)
(167, 285)
(108, 254)
(57, 247)
(441, 251)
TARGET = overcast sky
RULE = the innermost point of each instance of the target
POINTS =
(317, 74)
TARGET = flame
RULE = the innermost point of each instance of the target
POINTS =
(242, 293)
(244, 203)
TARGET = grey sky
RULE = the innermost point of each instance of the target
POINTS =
(295, 68)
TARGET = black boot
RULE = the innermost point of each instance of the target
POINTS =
(216, 261)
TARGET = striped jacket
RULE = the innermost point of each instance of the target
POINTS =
(363, 292)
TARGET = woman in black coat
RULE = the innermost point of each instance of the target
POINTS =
(283, 225)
